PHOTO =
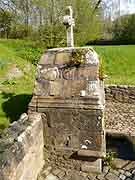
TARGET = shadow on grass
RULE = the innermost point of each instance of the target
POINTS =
(15, 105)
(122, 146)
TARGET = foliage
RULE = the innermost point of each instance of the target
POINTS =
(77, 58)
(26, 50)
(31, 54)
(109, 158)
(17, 91)
(20, 31)
(52, 35)
(102, 69)
(9, 82)
(43, 20)
(6, 19)
(124, 28)
(88, 23)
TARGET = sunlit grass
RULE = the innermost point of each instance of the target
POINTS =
(119, 62)
(13, 94)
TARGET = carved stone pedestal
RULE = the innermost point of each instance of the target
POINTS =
(68, 90)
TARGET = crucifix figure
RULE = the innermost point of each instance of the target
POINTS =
(69, 23)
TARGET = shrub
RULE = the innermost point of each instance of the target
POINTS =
(20, 31)
(30, 54)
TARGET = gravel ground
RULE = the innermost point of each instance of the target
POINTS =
(120, 117)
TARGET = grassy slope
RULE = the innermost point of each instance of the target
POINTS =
(14, 96)
(119, 62)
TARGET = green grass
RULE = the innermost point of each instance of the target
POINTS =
(119, 63)
(15, 94)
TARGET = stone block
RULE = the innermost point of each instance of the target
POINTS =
(87, 73)
(47, 58)
(122, 177)
(130, 166)
(24, 159)
(51, 177)
(119, 163)
(89, 153)
(92, 167)
(50, 74)
(42, 87)
(55, 88)
(92, 141)
(81, 73)
(111, 176)
(62, 58)
(73, 88)
(70, 73)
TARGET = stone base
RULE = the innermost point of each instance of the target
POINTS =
(94, 166)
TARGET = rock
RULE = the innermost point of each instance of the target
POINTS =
(56, 172)
(61, 174)
(24, 117)
(47, 171)
(92, 167)
(122, 177)
(76, 177)
(128, 174)
(121, 171)
(119, 163)
(106, 169)
(51, 177)
(130, 166)
(114, 172)
(111, 176)
(14, 72)
(34, 116)
(101, 177)
(50, 74)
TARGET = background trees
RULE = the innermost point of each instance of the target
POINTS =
(42, 20)
(124, 28)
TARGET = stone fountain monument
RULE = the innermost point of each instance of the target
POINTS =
(70, 92)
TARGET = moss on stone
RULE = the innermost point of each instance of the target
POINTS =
(77, 58)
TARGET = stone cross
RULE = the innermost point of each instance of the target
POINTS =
(69, 23)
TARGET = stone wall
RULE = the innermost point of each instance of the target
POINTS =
(21, 149)
(125, 94)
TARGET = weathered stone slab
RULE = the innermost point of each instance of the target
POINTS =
(51, 177)
(88, 153)
(55, 88)
(93, 166)
(119, 163)
(62, 58)
(23, 154)
(111, 176)
(130, 166)
(73, 88)
(47, 58)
